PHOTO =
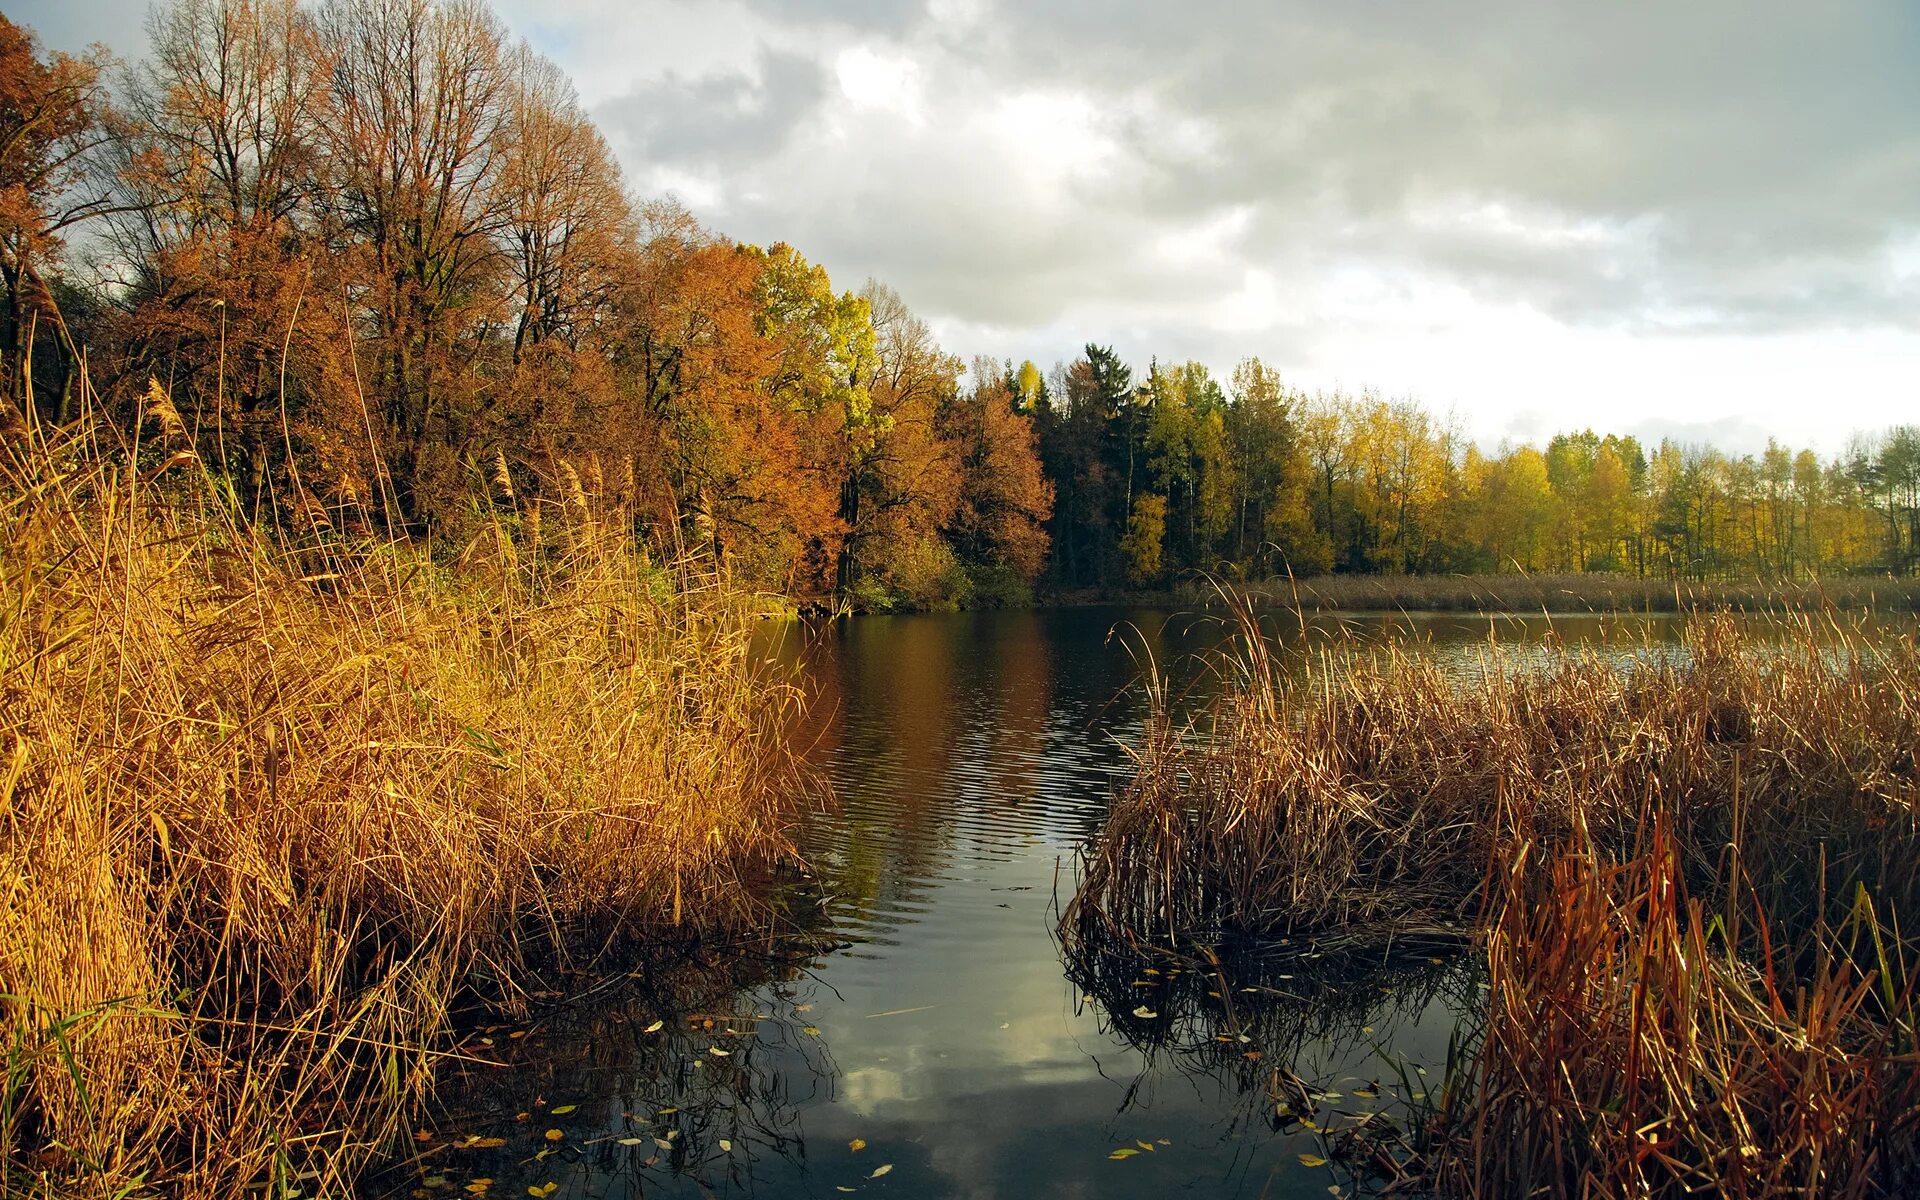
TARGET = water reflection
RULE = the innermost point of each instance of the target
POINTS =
(972, 755)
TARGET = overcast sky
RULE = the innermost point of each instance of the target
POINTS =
(1677, 217)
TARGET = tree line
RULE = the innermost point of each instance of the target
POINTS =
(375, 262)
(1178, 472)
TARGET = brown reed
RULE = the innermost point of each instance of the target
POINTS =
(1693, 878)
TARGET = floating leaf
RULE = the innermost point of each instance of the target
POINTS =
(811, 1031)
(1145, 1013)
(857, 1145)
(564, 1109)
(880, 1170)
(1123, 1152)
(555, 1135)
(726, 1147)
(656, 1027)
(800, 1008)
(632, 1141)
(480, 1143)
(838, 1188)
(717, 1052)
(1312, 1160)
(663, 1143)
(1144, 1145)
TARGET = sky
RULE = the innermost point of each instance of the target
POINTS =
(1686, 218)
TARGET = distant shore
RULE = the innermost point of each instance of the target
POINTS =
(1525, 593)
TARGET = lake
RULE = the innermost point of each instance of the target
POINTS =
(923, 1036)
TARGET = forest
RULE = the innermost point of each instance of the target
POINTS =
(377, 258)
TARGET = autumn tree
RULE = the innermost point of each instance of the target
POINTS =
(1000, 525)
(52, 118)
(420, 123)
(234, 294)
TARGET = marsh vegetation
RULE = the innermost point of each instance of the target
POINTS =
(279, 805)
(1690, 878)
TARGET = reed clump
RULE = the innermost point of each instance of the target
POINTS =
(1694, 880)
(272, 806)
(1347, 788)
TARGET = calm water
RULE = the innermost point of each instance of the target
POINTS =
(930, 1014)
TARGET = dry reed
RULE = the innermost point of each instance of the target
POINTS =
(1694, 879)
(271, 807)
(1597, 592)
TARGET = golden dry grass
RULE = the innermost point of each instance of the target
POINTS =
(270, 807)
(1694, 880)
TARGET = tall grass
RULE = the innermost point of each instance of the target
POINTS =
(272, 806)
(1694, 880)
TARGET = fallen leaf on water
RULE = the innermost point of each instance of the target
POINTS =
(800, 1008)
(663, 1143)
(1144, 1012)
(857, 1145)
(726, 1147)
(811, 1031)
(838, 1188)
(880, 1170)
(1164, 1141)
(423, 1135)
(656, 1027)
(1123, 1152)
(717, 1052)
(1144, 1145)
(564, 1109)
(631, 1141)
(555, 1135)
(669, 1110)
(1312, 1160)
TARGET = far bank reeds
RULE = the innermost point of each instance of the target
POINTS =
(1597, 592)
(1695, 880)
(271, 807)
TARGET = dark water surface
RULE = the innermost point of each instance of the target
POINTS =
(931, 1016)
